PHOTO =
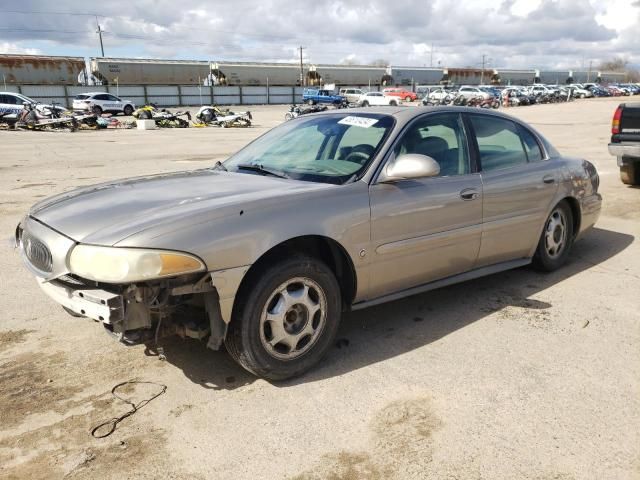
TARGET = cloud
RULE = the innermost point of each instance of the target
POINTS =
(513, 33)
(6, 47)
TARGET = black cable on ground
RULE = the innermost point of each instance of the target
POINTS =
(134, 407)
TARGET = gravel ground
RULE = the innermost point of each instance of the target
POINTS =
(518, 375)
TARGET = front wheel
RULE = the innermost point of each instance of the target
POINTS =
(310, 102)
(407, 99)
(286, 318)
(365, 104)
(127, 110)
(556, 239)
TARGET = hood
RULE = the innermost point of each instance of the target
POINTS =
(110, 212)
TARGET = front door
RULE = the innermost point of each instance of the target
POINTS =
(429, 228)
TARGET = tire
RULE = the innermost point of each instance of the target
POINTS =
(127, 110)
(270, 292)
(365, 104)
(556, 239)
(407, 99)
(288, 116)
(393, 103)
(310, 102)
(96, 110)
(630, 173)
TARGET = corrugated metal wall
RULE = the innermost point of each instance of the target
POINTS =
(167, 95)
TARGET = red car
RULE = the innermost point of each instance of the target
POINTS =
(406, 95)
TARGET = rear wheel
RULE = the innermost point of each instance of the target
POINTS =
(286, 318)
(365, 104)
(310, 102)
(127, 110)
(630, 173)
(556, 239)
(393, 103)
(407, 99)
(96, 110)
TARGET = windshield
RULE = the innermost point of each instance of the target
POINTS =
(331, 148)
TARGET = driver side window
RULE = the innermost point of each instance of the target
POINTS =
(440, 137)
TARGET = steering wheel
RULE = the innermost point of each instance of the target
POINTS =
(357, 157)
(360, 154)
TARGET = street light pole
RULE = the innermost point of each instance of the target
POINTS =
(99, 32)
(301, 67)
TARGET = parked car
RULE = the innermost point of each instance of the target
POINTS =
(351, 94)
(439, 96)
(377, 99)
(578, 91)
(313, 96)
(12, 104)
(334, 211)
(102, 102)
(616, 91)
(469, 92)
(598, 91)
(402, 93)
(625, 142)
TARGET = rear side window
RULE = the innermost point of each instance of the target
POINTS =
(534, 154)
(82, 97)
(499, 143)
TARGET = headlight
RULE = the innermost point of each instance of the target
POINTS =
(126, 265)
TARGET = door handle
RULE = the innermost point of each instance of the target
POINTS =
(549, 179)
(468, 194)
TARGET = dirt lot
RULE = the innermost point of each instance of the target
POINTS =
(518, 375)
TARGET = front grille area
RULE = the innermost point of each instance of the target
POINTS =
(37, 253)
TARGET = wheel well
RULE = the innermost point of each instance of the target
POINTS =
(576, 214)
(322, 248)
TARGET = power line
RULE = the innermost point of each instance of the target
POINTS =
(27, 12)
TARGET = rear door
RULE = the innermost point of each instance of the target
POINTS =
(519, 183)
(428, 228)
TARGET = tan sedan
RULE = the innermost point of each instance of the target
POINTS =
(329, 212)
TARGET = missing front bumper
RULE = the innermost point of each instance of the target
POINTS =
(97, 304)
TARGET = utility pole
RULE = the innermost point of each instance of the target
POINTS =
(589, 72)
(99, 32)
(482, 72)
(431, 56)
(301, 67)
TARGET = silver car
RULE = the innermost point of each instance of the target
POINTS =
(330, 212)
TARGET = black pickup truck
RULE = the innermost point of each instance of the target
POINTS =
(625, 141)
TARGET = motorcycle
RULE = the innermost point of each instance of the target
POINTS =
(35, 117)
(163, 117)
(213, 115)
(295, 111)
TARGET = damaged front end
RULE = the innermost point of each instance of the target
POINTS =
(135, 311)
(138, 313)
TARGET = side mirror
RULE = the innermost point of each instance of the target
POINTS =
(410, 165)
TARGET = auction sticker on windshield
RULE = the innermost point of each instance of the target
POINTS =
(363, 122)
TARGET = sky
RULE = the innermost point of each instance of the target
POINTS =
(563, 34)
